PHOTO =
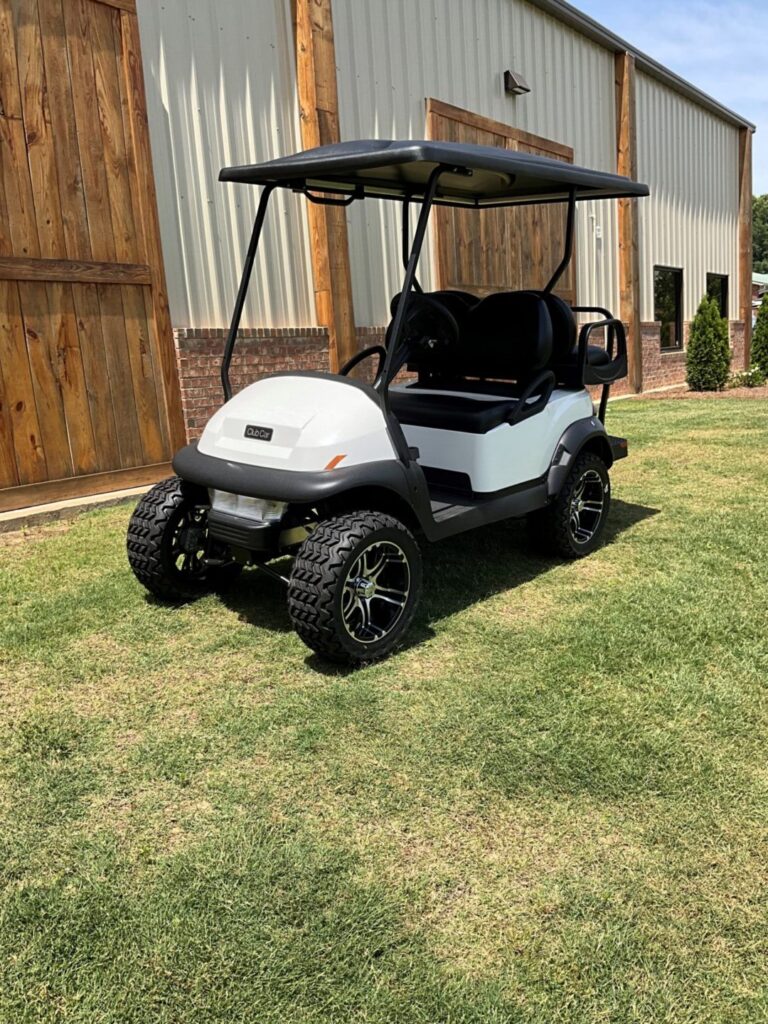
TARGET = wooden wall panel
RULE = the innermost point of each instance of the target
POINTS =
(88, 388)
(497, 250)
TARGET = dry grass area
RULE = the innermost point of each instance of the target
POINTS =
(551, 806)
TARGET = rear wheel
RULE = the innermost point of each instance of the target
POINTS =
(573, 524)
(354, 586)
(169, 549)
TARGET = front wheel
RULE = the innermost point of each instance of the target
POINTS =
(169, 549)
(573, 524)
(354, 587)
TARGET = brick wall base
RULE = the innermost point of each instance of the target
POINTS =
(261, 351)
(666, 368)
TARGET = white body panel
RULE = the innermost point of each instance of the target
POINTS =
(507, 455)
(313, 420)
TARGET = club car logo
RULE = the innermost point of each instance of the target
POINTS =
(258, 433)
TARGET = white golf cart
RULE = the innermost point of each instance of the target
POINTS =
(348, 477)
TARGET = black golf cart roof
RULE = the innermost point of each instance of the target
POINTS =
(481, 175)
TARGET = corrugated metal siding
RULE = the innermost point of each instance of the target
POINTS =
(220, 91)
(393, 55)
(690, 159)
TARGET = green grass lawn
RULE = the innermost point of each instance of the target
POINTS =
(552, 806)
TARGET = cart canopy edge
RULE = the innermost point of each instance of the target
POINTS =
(400, 169)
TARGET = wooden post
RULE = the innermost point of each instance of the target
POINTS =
(629, 258)
(745, 238)
(319, 115)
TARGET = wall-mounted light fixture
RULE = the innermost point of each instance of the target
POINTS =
(515, 84)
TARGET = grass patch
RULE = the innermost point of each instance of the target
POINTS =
(549, 807)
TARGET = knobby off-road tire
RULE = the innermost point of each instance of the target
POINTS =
(155, 533)
(565, 529)
(354, 587)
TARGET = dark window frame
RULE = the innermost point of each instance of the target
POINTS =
(678, 298)
(724, 294)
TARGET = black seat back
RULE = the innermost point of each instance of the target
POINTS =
(563, 328)
(508, 337)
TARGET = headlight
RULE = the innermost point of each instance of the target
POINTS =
(258, 509)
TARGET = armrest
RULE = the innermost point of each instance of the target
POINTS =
(617, 367)
(541, 385)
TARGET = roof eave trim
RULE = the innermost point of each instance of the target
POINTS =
(599, 34)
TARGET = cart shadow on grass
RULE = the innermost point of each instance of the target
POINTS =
(455, 583)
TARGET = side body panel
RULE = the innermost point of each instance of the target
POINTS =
(507, 455)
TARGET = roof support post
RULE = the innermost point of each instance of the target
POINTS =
(745, 238)
(319, 120)
(393, 343)
(570, 231)
(242, 291)
(629, 254)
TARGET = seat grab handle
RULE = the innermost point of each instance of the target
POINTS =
(542, 385)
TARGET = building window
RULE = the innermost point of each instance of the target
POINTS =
(717, 289)
(668, 305)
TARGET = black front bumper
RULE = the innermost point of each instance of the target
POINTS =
(291, 486)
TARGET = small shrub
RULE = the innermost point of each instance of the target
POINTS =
(751, 378)
(760, 337)
(708, 357)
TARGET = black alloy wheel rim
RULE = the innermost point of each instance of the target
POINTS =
(375, 592)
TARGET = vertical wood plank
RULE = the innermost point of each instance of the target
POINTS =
(113, 148)
(629, 253)
(19, 230)
(9, 473)
(97, 379)
(65, 129)
(83, 116)
(65, 342)
(121, 379)
(142, 373)
(319, 120)
(157, 375)
(745, 238)
(40, 144)
(18, 390)
(44, 364)
(153, 255)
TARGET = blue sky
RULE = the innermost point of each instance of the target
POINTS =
(719, 47)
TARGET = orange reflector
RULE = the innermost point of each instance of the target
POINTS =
(335, 461)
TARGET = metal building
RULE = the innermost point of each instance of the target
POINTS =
(248, 80)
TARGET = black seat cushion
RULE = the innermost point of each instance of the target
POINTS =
(449, 412)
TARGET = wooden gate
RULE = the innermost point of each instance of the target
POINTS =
(89, 395)
(498, 250)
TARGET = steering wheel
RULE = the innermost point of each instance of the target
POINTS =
(372, 350)
(429, 328)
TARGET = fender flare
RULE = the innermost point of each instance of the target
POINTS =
(580, 434)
